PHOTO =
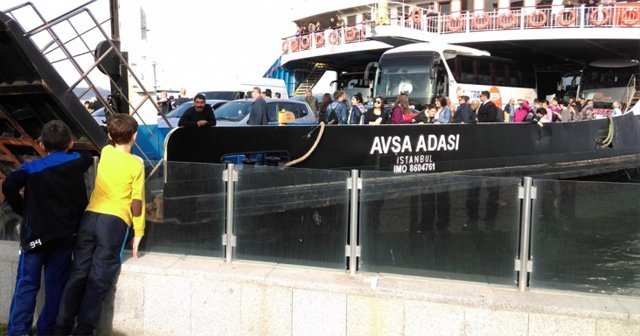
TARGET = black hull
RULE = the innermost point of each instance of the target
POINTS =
(560, 150)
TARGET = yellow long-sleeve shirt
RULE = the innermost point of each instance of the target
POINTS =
(119, 181)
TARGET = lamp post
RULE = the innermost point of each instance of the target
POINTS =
(155, 80)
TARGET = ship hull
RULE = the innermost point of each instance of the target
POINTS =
(563, 150)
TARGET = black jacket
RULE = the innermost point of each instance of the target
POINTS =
(190, 117)
(258, 114)
(464, 114)
(55, 197)
(488, 112)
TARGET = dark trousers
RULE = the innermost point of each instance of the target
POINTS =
(55, 261)
(97, 260)
(428, 208)
(473, 203)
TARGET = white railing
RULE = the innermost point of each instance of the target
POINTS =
(618, 15)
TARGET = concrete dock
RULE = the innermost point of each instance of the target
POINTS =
(161, 294)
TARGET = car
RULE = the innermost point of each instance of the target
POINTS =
(100, 116)
(236, 112)
(175, 115)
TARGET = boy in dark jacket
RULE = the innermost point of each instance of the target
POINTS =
(55, 196)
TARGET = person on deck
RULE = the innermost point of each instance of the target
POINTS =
(443, 113)
(337, 110)
(322, 115)
(357, 110)
(464, 114)
(522, 112)
(487, 112)
(401, 112)
(258, 114)
(198, 115)
(312, 101)
(377, 114)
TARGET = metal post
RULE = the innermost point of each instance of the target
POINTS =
(155, 80)
(353, 250)
(229, 239)
(523, 264)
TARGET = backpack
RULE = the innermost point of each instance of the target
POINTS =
(332, 117)
(500, 114)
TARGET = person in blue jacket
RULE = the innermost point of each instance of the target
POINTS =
(52, 204)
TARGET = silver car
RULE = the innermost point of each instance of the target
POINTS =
(236, 112)
(175, 115)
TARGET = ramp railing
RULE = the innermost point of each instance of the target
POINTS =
(107, 58)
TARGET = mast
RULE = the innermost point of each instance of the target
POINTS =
(119, 104)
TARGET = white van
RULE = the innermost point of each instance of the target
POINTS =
(240, 89)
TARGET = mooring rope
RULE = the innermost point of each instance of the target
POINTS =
(306, 155)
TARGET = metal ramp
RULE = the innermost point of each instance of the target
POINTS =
(32, 92)
(314, 76)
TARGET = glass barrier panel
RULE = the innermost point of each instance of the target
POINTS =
(186, 209)
(292, 216)
(452, 227)
(10, 223)
(585, 236)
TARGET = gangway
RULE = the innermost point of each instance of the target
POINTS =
(32, 92)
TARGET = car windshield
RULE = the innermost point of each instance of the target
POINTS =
(178, 112)
(234, 110)
(98, 113)
(225, 95)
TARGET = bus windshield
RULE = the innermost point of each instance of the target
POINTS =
(409, 73)
(606, 84)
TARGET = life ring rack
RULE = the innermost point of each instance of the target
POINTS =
(533, 19)
(455, 23)
(566, 17)
(599, 21)
(481, 21)
(350, 34)
(333, 37)
(629, 17)
(319, 37)
(305, 42)
(507, 20)
(293, 45)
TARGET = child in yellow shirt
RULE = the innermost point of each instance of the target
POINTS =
(116, 205)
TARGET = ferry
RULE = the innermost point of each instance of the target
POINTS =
(383, 48)
(451, 49)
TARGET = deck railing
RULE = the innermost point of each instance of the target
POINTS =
(619, 15)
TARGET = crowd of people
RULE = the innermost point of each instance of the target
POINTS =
(335, 110)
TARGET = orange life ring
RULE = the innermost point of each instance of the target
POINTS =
(350, 34)
(599, 21)
(285, 46)
(507, 20)
(455, 24)
(566, 17)
(294, 45)
(481, 21)
(629, 17)
(304, 42)
(417, 16)
(333, 37)
(533, 19)
(319, 40)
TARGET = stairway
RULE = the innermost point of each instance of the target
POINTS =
(314, 76)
